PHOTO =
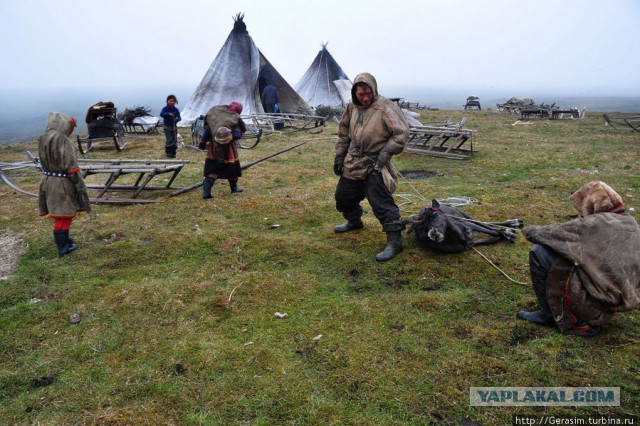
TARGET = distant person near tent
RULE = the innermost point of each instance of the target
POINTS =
(270, 98)
(585, 270)
(371, 130)
(170, 116)
(62, 192)
(222, 127)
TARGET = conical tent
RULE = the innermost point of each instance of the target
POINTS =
(238, 73)
(325, 83)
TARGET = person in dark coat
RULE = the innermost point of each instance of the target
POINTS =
(270, 98)
(222, 127)
(170, 116)
(62, 191)
(585, 270)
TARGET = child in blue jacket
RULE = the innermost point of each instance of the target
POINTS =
(171, 116)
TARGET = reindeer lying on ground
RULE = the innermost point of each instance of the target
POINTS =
(445, 228)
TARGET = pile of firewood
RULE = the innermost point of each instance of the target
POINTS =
(129, 114)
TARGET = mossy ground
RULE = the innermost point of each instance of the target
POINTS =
(197, 282)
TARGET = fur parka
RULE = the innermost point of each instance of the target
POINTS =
(58, 196)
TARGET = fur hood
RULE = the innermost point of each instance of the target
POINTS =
(369, 80)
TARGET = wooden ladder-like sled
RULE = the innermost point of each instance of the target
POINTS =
(145, 170)
(442, 141)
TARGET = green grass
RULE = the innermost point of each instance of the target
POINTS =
(197, 282)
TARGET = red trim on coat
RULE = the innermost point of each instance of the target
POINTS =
(566, 304)
(619, 209)
(74, 171)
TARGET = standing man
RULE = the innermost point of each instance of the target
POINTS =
(270, 98)
(371, 130)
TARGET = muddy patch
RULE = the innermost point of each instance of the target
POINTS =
(420, 174)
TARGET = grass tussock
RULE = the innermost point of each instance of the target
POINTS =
(177, 299)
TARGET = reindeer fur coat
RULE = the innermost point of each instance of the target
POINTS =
(598, 271)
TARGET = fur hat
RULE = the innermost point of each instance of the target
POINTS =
(595, 197)
(223, 135)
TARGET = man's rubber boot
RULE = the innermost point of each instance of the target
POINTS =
(65, 246)
(537, 317)
(394, 247)
(351, 225)
(233, 184)
(207, 185)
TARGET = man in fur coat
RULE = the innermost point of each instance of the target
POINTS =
(371, 131)
(585, 270)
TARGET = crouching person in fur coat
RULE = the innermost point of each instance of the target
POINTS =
(62, 192)
(585, 270)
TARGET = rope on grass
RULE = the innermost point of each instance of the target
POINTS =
(496, 266)
(234, 289)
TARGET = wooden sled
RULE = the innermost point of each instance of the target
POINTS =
(143, 172)
(619, 119)
(87, 144)
(442, 141)
(102, 125)
(283, 122)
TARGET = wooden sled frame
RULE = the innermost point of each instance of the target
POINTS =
(86, 145)
(145, 169)
(291, 122)
(441, 141)
(138, 129)
(16, 166)
(632, 121)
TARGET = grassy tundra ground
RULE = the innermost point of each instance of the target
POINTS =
(177, 299)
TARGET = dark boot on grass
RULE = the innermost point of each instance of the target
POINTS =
(65, 245)
(207, 185)
(393, 248)
(233, 184)
(537, 317)
(394, 240)
(351, 225)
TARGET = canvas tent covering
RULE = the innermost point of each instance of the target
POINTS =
(238, 73)
(324, 82)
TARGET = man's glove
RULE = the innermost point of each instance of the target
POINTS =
(202, 145)
(383, 160)
(338, 165)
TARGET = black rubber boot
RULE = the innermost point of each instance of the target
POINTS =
(207, 185)
(233, 184)
(394, 247)
(65, 245)
(351, 225)
(537, 317)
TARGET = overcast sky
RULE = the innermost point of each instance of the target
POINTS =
(581, 47)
